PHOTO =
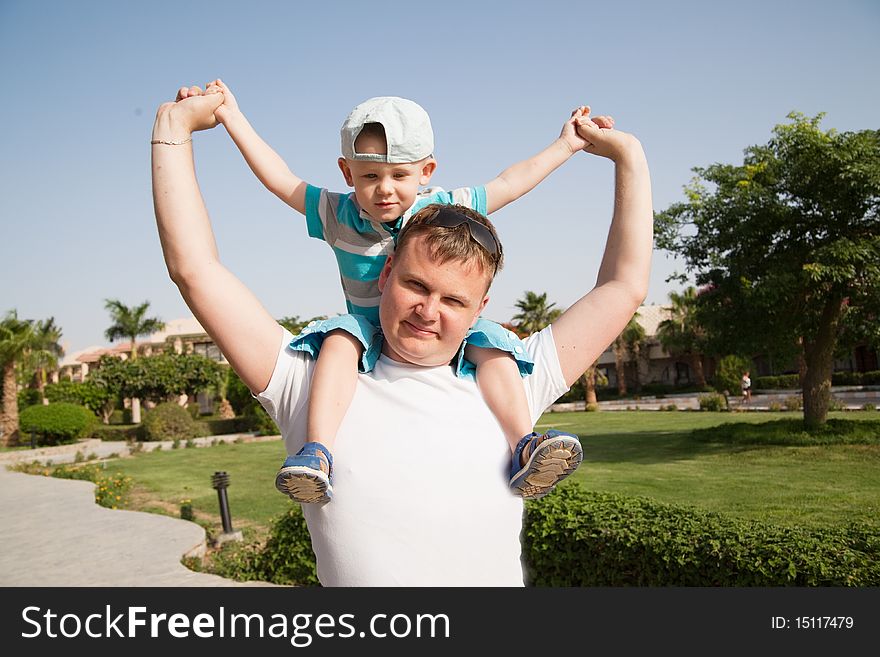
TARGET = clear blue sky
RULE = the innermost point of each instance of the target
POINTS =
(696, 81)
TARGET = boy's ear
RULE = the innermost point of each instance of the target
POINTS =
(480, 309)
(427, 171)
(346, 171)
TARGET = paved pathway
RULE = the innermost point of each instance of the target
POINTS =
(53, 534)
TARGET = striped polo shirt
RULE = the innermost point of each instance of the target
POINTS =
(362, 245)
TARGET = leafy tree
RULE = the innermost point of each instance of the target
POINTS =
(131, 323)
(682, 335)
(295, 325)
(16, 339)
(97, 398)
(534, 313)
(788, 245)
(157, 378)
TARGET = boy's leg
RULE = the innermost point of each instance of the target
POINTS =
(501, 385)
(538, 462)
(306, 477)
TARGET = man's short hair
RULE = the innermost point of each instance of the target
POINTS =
(457, 242)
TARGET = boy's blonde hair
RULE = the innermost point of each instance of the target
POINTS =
(454, 243)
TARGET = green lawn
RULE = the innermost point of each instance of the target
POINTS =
(635, 453)
(651, 454)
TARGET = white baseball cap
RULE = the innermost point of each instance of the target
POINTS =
(408, 133)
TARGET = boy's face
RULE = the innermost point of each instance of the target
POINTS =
(384, 191)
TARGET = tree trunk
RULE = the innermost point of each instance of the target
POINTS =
(636, 350)
(135, 410)
(9, 434)
(619, 368)
(697, 360)
(589, 378)
(819, 361)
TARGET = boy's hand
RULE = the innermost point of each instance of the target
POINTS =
(569, 133)
(605, 142)
(229, 105)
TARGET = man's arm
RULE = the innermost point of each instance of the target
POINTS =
(266, 164)
(523, 177)
(586, 329)
(246, 334)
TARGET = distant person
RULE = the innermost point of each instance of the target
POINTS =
(387, 156)
(440, 520)
(746, 385)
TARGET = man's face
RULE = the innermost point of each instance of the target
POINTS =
(384, 191)
(426, 307)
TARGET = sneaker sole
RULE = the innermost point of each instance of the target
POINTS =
(551, 462)
(303, 485)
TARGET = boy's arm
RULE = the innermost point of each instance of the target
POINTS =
(584, 331)
(523, 177)
(266, 164)
(246, 334)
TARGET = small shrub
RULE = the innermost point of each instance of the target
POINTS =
(57, 423)
(186, 510)
(169, 421)
(175, 443)
(79, 457)
(591, 408)
(795, 403)
(670, 407)
(712, 401)
(190, 443)
(774, 406)
(258, 420)
(111, 490)
(869, 407)
(29, 397)
(836, 405)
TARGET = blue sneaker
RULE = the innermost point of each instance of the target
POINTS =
(542, 461)
(307, 477)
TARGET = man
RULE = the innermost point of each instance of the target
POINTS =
(434, 517)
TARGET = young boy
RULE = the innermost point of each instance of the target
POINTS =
(387, 156)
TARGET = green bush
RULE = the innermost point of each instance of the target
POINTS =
(217, 427)
(57, 423)
(712, 401)
(237, 392)
(728, 373)
(169, 421)
(286, 558)
(856, 378)
(117, 432)
(111, 488)
(28, 397)
(577, 538)
(782, 382)
(257, 419)
(794, 403)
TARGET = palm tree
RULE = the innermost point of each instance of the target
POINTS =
(535, 313)
(591, 378)
(681, 335)
(629, 340)
(16, 338)
(45, 351)
(131, 323)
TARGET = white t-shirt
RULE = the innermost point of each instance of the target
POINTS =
(420, 472)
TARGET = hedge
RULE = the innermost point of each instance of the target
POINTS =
(169, 421)
(578, 538)
(573, 537)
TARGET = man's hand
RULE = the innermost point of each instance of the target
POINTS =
(191, 111)
(569, 134)
(604, 142)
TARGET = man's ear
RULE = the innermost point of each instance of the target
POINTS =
(480, 310)
(428, 169)
(346, 172)
(385, 273)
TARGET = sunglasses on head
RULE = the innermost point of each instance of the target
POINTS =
(449, 218)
